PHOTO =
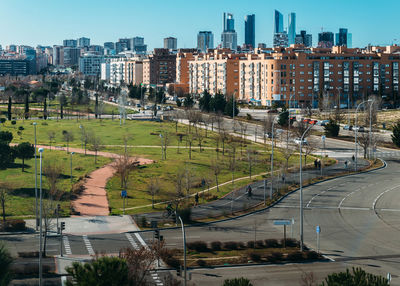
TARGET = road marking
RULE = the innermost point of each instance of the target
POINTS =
(88, 245)
(349, 194)
(131, 240)
(381, 194)
(67, 246)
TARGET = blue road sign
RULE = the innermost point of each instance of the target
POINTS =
(282, 222)
(318, 229)
(124, 193)
(323, 137)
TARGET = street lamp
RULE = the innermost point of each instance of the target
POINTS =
(41, 230)
(370, 127)
(301, 190)
(272, 158)
(356, 129)
(72, 153)
(36, 194)
(184, 249)
(81, 128)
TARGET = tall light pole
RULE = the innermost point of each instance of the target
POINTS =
(36, 193)
(72, 153)
(81, 128)
(40, 223)
(370, 127)
(356, 129)
(272, 158)
(184, 250)
(290, 98)
(301, 190)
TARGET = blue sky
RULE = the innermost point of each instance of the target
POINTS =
(48, 22)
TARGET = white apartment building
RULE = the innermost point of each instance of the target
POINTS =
(90, 64)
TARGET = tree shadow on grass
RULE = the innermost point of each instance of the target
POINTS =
(17, 166)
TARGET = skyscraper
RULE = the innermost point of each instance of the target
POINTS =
(70, 43)
(205, 40)
(325, 40)
(83, 42)
(280, 38)
(278, 24)
(304, 39)
(342, 38)
(292, 28)
(249, 30)
(229, 36)
(170, 43)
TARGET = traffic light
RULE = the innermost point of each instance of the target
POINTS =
(62, 225)
(157, 234)
(178, 271)
(161, 238)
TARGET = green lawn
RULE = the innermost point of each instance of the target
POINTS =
(143, 140)
(21, 200)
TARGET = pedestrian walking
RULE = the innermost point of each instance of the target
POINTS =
(196, 199)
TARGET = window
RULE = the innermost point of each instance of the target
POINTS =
(301, 72)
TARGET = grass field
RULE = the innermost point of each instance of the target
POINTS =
(21, 200)
(143, 140)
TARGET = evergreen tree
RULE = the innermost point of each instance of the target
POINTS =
(9, 108)
(218, 103)
(229, 107)
(26, 105)
(396, 134)
(332, 129)
(283, 118)
(45, 108)
(358, 277)
(205, 102)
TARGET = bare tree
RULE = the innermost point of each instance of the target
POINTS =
(179, 182)
(308, 279)
(242, 128)
(232, 161)
(300, 128)
(288, 152)
(51, 134)
(96, 145)
(5, 188)
(188, 179)
(309, 148)
(68, 137)
(189, 140)
(200, 138)
(266, 127)
(123, 167)
(153, 188)
(251, 156)
(164, 135)
(85, 137)
(216, 170)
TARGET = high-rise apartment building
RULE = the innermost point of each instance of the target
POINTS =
(159, 67)
(249, 30)
(205, 41)
(90, 64)
(137, 45)
(325, 40)
(304, 39)
(83, 42)
(278, 22)
(292, 28)
(229, 36)
(170, 43)
(71, 56)
(109, 45)
(70, 43)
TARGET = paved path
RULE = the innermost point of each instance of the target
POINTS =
(93, 200)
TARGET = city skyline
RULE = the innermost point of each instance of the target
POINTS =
(89, 21)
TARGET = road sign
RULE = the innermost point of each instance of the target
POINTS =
(153, 224)
(124, 193)
(318, 229)
(323, 137)
(282, 222)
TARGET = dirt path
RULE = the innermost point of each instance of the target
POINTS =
(93, 200)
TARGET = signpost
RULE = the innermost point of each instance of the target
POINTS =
(318, 231)
(124, 194)
(283, 222)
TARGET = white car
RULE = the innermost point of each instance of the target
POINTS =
(298, 141)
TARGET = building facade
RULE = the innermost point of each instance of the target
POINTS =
(70, 43)
(159, 68)
(90, 64)
(229, 35)
(292, 28)
(205, 41)
(83, 42)
(170, 43)
(311, 76)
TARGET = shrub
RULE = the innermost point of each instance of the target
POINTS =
(260, 244)
(271, 243)
(16, 225)
(21, 128)
(28, 254)
(143, 221)
(185, 214)
(255, 257)
(295, 256)
(199, 246)
(237, 282)
(168, 257)
(332, 129)
(216, 245)
(241, 245)
(201, 263)
(231, 245)
(311, 255)
(275, 257)
(45, 123)
(250, 244)
(13, 122)
(291, 242)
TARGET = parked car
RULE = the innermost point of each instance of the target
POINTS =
(138, 105)
(324, 122)
(348, 127)
(298, 141)
(268, 135)
(313, 122)
(359, 128)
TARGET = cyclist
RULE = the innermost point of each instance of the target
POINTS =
(249, 191)
(170, 209)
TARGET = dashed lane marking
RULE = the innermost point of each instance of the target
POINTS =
(67, 246)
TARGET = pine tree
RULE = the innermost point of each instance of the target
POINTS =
(45, 108)
(27, 105)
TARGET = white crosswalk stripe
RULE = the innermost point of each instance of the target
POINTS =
(88, 244)
(67, 246)
(131, 240)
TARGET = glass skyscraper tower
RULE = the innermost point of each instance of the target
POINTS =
(292, 28)
(249, 30)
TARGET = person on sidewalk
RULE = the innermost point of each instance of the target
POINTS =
(196, 199)
(249, 192)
